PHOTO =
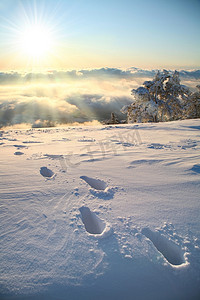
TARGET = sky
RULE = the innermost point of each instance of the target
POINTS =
(63, 34)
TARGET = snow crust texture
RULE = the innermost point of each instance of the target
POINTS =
(109, 212)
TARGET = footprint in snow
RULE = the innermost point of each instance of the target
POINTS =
(93, 224)
(45, 172)
(196, 168)
(84, 139)
(20, 146)
(171, 251)
(18, 153)
(156, 146)
(99, 188)
(31, 142)
(96, 184)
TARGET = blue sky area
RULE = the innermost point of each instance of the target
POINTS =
(106, 33)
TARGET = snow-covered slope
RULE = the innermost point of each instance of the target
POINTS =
(109, 212)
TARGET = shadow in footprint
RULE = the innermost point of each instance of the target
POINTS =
(167, 248)
(196, 168)
(93, 224)
(18, 153)
(45, 172)
(96, 184)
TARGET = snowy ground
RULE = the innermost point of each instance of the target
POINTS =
(107, 212)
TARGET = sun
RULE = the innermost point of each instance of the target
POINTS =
(36, 41)
(34, 36)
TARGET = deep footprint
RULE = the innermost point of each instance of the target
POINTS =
(18, 153)
(96, 184)
(45, 172)
(167, 248)
(196, 168)
(93, 224)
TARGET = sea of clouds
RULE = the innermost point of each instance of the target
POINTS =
(77, 96)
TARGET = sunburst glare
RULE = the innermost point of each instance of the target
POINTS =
(36, 41)
(33, 37)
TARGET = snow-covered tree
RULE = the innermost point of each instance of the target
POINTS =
(161, 99)
(113, 119)
(176, 97)
(143, 109)
(192, 109)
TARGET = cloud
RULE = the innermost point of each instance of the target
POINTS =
(47, 103)
(103, 73)
(10, 77)
(194, 74)
(42, 112)
(31, 109)
(99, 107)
(54, 76)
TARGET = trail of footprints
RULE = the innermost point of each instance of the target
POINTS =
(99, 228)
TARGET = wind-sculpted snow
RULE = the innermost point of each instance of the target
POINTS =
(147, 162)
(20, 146)
(90, 233)
(182, 144)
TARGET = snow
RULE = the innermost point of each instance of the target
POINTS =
(105, 212)
(93, 224)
